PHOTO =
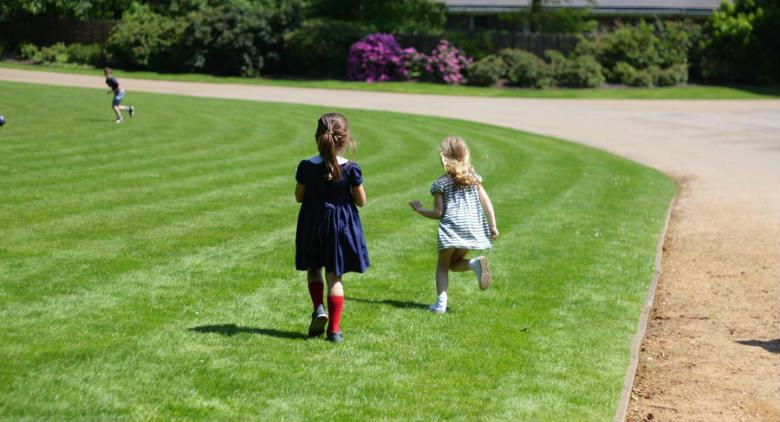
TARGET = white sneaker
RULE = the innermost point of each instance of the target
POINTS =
(118, 121)
(482, 270)
(438, 307)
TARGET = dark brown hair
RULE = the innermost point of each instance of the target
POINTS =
(332, 136)
(107, 70)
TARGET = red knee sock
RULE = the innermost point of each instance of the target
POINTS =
(315, 291)
(335, 306)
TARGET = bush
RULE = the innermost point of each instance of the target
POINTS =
(579, 72)
(524, 69)
(376, 58)
(86, 54)
(487, 71)
(556, 61)
(53, 54)
(672, 75)
(144, 40)
(239, 37)
(29, 51)
(744, 43)
(418, 65)
(320, 47)
(642, 47)
(447, 63)
(629, 75)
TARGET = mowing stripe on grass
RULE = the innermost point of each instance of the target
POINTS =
(154, 279)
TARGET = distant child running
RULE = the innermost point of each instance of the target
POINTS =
(119, 94)
(466, 219)
(329, 234)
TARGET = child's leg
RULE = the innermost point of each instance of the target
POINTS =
(459, 263)
(117, 111)
(442, 270)
(335, 301)
(316, 286)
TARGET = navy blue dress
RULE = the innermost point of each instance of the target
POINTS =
(329, 232)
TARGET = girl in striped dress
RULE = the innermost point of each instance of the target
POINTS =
(466, 219)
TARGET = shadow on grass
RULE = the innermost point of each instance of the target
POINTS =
(771, 346)
(233, 329)
(390, 302)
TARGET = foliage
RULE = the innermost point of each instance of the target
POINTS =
(88, 54)
(418, 65)
(487, 71)
(78, 9)
(524, 69)
(744, 42)
(447, 63)
(59, 53)
(578, 72)
(552, 17)
(631, 76)
(320, 47)
(642, 47)
(144, 39)
(672, 75)
(397, 16)
(376, 58)
(53, 54)
(238, 37)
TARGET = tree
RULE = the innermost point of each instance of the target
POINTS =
(398, 16)
(744, 42)
(76, 9)
(552, 16)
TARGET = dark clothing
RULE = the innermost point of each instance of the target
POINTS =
(329, 231)
(112, 83)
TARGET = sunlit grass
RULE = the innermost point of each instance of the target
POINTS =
(146, 269)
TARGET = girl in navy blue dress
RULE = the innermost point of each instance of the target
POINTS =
(329, 234)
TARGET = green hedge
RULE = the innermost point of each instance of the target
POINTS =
(320, 47)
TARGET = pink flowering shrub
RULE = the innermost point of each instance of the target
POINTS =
(378, 57)
(447, 63)
(418, 65)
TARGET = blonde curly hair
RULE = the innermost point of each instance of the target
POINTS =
(456, 159)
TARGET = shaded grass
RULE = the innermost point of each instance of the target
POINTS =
(146, 269)
(687, 92)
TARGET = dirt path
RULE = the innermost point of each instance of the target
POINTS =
(712, 349)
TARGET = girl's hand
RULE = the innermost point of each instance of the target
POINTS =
(416, 205)
(494, 232)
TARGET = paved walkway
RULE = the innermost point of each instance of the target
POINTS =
(712, 351)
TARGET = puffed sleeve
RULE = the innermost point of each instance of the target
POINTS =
(356, 175)
(478, 177)
(437, 186)
(300, 173)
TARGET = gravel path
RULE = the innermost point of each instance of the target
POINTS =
(712, 349)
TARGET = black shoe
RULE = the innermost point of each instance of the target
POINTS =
(131, 111)
(336, 337)
(319, 318)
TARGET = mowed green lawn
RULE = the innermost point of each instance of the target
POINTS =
(146, 269)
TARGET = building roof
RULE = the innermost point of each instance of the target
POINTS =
(602, 7)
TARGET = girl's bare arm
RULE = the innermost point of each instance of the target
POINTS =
(300, 190)
(488, 207)
(438, 207)
(360, 195)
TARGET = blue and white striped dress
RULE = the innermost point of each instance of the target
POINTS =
(463, 224)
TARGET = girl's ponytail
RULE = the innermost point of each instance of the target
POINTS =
(456, 159)
(331, 136)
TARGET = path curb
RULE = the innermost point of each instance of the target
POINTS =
(636, 343)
